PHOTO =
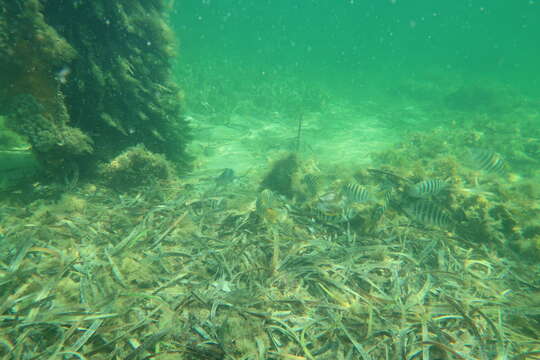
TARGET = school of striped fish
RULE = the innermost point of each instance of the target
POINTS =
(421, 201)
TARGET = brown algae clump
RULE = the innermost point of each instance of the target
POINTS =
(136, 167)
(280, 177)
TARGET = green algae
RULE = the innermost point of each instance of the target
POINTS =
(75, 99)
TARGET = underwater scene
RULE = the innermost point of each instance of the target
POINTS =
(269, 179)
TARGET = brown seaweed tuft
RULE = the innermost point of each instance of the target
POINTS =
(280, 177)
(136, 167)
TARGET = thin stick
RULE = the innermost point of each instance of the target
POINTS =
(299, 132)
(275, 252)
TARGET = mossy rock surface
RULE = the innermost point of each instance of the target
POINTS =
(76, 99)
(136, 167)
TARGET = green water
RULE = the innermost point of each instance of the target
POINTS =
(365, 73)
(365, 184)
(359, 47)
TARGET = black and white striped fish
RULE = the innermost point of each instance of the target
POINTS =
(348, 213)
(427, 188)
(428, 213)
(356, 193)
(335, 216)
(326, 216)
(487, 160)
(388, 197)
(266, 200)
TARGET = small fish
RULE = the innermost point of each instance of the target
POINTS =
(329, 207)
(325, 216)
(378, 213)
(226, 177)
(427, 188)
(216, 203)
(329, 197)
(426, 212)
(487, 160)
(62, 75)
(388, 197)
(200, 207)
(223, 285)
(334, 216)
(269, 207)
(348, 213)
(312, 182)
(265, 200)
(356, 193)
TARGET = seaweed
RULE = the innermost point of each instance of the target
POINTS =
(141, 264)
(135, 167)
(83, 81)
(102, 274)
(280, 177)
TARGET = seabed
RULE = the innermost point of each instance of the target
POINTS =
(194, 268)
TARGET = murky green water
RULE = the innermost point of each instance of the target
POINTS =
(360, 47)
(364, 184)
(363, 73)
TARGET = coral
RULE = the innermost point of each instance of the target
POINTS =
(135, 167)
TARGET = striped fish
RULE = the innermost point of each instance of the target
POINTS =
(216, 203)
(326, 216)
(388, 197)
(487, 160)
(334, 217)
(348, 213)
(265, 200)
(356, 193)
(428, 213)
(378, 213)
(427, 188)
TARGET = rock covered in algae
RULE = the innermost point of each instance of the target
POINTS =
(86, 80)
(30, 52)
(136, 167)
